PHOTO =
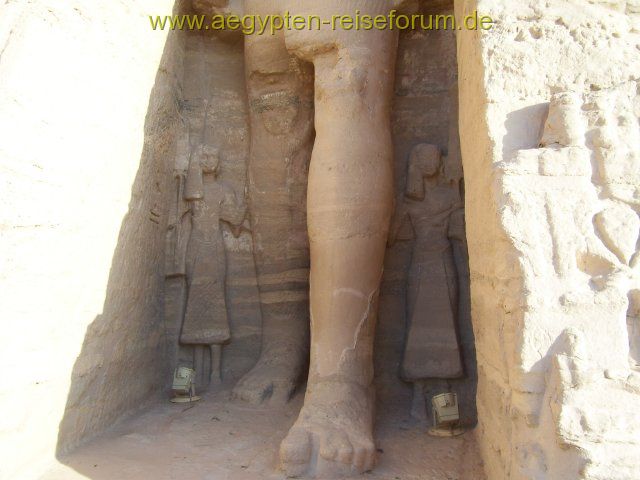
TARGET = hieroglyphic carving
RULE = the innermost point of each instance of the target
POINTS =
(601, 126)
(570, 208)
(614, 137)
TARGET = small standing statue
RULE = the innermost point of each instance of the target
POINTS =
(432, 207)
(206, 323)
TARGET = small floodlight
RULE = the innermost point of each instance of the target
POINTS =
(446, 416)
(184, 385)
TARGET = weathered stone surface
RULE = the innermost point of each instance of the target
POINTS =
(551, 220)
(618, 227)
(88, 118)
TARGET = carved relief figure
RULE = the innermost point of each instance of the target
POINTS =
(211, 201)
(434, 210)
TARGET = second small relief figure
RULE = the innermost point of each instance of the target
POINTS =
(432, 214)
(211, 201)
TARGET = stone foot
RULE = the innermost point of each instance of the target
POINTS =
(332, 437)
(274, 378)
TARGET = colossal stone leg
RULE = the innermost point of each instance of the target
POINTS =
(280, 89)
(350, 197)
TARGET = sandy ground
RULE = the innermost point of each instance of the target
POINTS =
(216, 439)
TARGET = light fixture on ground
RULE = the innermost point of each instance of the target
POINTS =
(446, 416)
(184, 386)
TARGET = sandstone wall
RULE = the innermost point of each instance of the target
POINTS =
(550, 141)
(88, 102)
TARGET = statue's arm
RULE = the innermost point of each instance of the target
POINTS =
(456, 229)
(400, 218)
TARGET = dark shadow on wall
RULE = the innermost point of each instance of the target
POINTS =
(121, 366)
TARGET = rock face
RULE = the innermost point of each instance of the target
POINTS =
(224, 202)
(88, 96)
(551, 163)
